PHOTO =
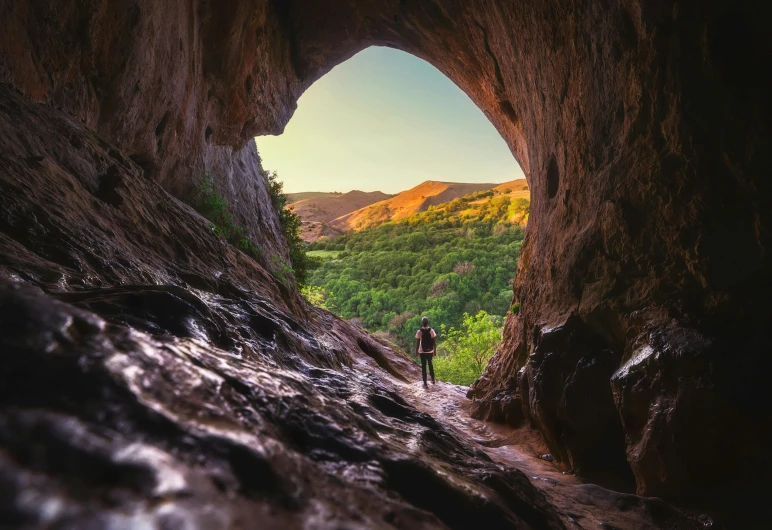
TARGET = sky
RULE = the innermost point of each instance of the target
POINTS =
(385, 120)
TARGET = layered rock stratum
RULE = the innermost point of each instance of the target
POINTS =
(151, 371)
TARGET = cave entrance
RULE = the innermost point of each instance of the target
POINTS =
(386, 120)
(411, 201)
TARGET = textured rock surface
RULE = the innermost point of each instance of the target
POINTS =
(107, 427)
(152, 377)
(142, 389)
(644, 129)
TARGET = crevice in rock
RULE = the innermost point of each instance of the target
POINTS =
(509, 111)
(491, 55)
(553, 177)
(109, 185)
(145, 162)
(161, 127)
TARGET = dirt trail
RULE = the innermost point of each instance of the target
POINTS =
(581, 505)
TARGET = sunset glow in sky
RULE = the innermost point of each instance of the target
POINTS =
(385, 120)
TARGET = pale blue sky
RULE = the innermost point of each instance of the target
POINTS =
(386, 120)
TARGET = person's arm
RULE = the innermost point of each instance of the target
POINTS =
(434, 343)
(417, 342)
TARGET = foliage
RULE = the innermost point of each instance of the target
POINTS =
(455, 258)
(323, 253)
(290, 228)
(281, 271)
(315, 296)
(464, 352)
(515, 308)
(217, 210)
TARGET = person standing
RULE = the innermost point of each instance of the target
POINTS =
(426, 348)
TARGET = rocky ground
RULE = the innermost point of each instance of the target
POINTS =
(641, 347)
(150, 379)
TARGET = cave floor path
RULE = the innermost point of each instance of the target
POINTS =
(580, 504)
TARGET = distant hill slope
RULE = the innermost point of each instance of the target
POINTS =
(311, 231)
(295, 197)
(329, 207)
(317, 209)
(518, 189)
(405, 204)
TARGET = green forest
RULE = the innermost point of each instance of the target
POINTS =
(449, 262)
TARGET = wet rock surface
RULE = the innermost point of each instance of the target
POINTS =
(578, 504)
(163, 394)
(569, 398)
(167, 394)
(104, 426)
(670, 388)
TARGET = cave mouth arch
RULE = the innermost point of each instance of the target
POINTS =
(388, 108)
(655, 112)
(386, 120)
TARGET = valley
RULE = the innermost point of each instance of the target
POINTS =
(453, 260)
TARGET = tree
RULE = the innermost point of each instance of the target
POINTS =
(464, 353)
(406, 267)
(416, 241)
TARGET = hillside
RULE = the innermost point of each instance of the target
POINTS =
(454, 258)
(405, 204)
(317, 209)
(311, 231)
(515, 189)
(296, 197)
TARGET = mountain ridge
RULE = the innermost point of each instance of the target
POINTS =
(406, 203)
(358, 210)
(317, 209)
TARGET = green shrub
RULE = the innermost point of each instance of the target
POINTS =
(315, 296)
(464, 353)
(290, 227)
(216, 209)
(281, 271)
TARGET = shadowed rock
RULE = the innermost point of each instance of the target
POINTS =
(643, 128)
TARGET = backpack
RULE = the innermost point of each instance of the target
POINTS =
(426, 340)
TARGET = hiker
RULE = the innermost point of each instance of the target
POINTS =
(426, 347)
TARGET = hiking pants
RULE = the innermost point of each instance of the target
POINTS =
(426, 358)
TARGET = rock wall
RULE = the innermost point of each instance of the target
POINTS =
(180, 87)
(642, 342)
(155, 377)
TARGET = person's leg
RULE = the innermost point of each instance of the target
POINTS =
(431, 369)
(423, 367)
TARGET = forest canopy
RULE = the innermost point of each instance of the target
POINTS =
(451, 261)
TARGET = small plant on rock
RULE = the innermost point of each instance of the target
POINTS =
(290, 227)
(216, 209)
